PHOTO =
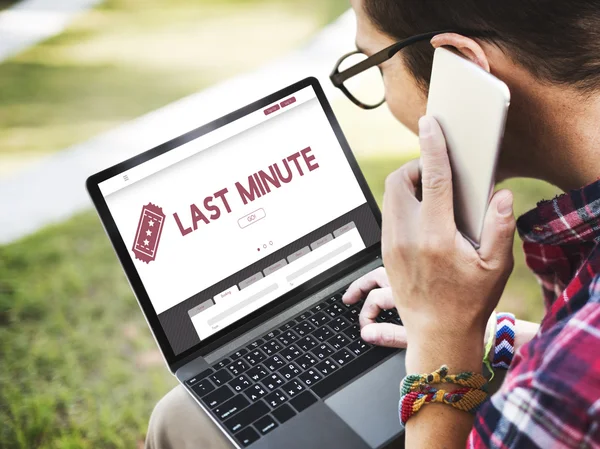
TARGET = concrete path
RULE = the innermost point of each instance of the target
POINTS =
(53, 190)
(31, 21)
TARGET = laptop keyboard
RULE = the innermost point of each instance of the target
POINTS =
(256, 389)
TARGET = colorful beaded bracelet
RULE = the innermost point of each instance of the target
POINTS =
(416, 391)
(465, 399)
(504, 348)
(413, 382)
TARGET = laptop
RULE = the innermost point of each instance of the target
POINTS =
(238, 239)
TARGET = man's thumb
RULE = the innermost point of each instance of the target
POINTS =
(498, 229)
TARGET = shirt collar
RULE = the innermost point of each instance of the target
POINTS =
(571, 218)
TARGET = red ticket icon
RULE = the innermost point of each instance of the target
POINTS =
(148, 233)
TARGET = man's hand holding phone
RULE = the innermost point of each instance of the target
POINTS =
(443, 288)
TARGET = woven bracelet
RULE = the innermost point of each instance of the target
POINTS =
(414, 382)
(465, 399)
(504, 349)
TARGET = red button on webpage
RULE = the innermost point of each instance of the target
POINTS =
(272, 109)
(288, 102)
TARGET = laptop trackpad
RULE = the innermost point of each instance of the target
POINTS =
(369, 405)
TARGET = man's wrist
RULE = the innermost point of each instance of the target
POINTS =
(525, 331)
(459, 354)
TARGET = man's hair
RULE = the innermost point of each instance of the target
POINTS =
(558, 41)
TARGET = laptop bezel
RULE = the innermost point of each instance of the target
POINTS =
(285, 301)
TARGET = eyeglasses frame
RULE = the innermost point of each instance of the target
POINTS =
(338, 78)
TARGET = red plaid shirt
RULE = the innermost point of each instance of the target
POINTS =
(550, 397)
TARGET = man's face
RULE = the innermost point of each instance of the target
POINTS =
(404, 97)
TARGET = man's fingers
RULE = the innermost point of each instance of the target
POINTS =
(498, 229)
(401, 185)
(409, 176)
(384, 334)
(436, 177)
(377, 300)
(360, 288)
(401, 205)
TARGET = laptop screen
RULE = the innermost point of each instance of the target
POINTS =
(230, 221)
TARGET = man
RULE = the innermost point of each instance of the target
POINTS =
(548, 53)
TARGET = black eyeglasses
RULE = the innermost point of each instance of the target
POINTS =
(369, 86)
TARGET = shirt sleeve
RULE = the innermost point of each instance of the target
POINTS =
(551, 394)
(526, 418)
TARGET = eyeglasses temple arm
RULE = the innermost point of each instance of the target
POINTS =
(338, 78)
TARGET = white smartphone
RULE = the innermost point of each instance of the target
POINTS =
(471, 106)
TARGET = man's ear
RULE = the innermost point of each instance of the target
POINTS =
(465, 45)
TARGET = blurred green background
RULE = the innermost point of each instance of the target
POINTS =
(78, 366)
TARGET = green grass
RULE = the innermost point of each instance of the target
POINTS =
(126, 58)
(72, 335)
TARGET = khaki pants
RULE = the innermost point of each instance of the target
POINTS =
(177, 422)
